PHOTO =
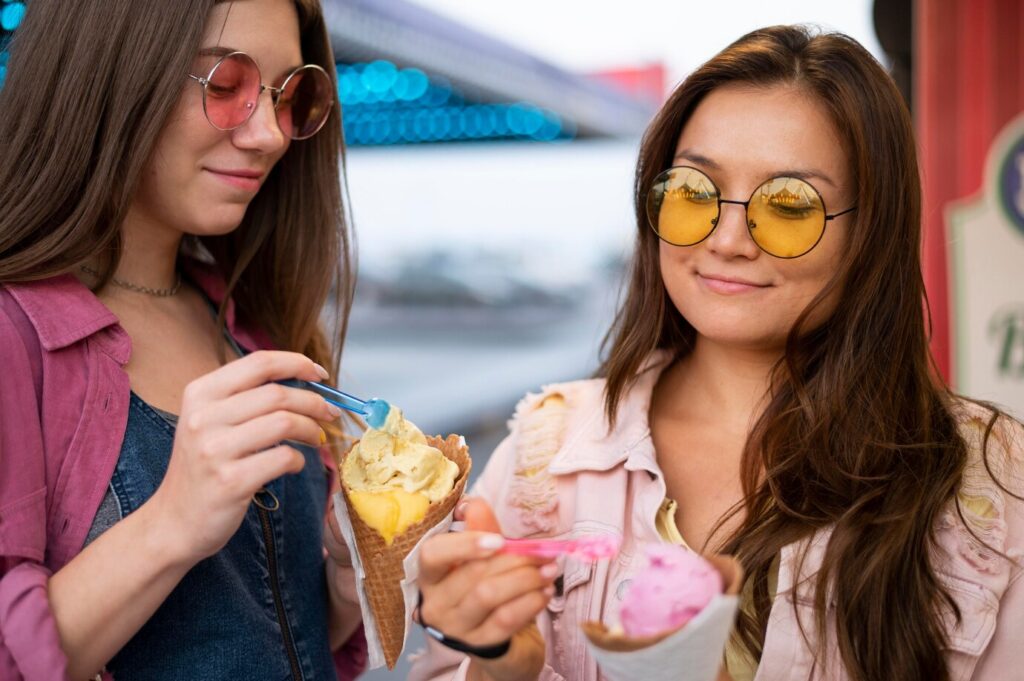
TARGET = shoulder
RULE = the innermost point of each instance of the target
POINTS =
(23, 493)
(580, 404)
(544, 421)
(19, 341)
(980, 533)
(517, 480)
(995, 446)
(13, 320)
(555, 435)
(983, 524)
(559, 402)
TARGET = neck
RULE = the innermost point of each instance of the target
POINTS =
(149, 253)
(723, 384)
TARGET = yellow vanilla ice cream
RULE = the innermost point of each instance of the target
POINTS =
(393, 475)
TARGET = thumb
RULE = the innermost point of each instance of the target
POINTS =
(479, 517)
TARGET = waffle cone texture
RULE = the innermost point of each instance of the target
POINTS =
(383, 563)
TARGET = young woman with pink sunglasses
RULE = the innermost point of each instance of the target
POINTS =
(172, 227)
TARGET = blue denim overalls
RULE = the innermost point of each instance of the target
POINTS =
(255, 610)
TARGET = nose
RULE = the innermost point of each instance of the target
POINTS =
(261, 132)
(731, 238)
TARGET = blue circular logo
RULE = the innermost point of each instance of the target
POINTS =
(1011, 184)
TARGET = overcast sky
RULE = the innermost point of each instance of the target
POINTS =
(584, 35)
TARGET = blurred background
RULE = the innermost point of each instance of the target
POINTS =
(510, 133)
(490, 156)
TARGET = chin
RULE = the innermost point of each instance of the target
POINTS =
(747, 341)
(218, 225)
(740, 334)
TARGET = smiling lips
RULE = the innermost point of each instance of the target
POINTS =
(248, 180)
(725, 285)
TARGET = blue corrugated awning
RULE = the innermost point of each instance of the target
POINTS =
(483, 68)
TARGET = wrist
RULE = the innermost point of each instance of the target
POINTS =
(166, 540)
(524, 660)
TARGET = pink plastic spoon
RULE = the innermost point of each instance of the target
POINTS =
(593, 548)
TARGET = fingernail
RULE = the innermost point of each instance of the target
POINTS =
(320, 370)
(460, 508)
(548, 571)
(332, 410)
(323, 436)
(491, 541)
(549, 591)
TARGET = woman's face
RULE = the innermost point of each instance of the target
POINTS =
(732, 292)
(200, 180)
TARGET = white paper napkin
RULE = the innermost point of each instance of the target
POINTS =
(409, 588)
(694, 653)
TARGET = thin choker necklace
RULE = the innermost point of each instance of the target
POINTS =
(157, 292)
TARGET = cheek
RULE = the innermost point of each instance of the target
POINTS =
(182, 141)
(813, 272)
(805, 287)
(173, 188)
(803, 279)
(676, 264)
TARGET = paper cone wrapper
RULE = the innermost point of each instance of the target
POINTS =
(694, 652)
(386, 575)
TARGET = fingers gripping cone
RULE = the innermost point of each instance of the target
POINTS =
(384, 562)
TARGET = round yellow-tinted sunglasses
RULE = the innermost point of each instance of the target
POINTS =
(785, 216)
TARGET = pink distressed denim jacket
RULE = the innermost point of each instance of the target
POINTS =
(63, 410)
(560, 473)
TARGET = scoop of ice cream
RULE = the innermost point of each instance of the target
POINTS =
(390, 513)
(675, 586)
(392, 475)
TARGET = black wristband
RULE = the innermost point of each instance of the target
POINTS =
(484, 652)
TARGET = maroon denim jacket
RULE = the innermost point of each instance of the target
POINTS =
(63, 410)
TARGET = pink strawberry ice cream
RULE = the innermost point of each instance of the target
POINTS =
(669, 592)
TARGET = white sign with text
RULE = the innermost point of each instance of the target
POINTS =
(987, 278)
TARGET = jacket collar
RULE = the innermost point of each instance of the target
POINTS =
(64, 311)
(589, 444)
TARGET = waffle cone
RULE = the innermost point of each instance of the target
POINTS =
(616, 641)
(383, 581)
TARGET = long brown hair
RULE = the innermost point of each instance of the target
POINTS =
(858, 434)
(89, 88)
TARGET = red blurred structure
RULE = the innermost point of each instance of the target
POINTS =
(968, 82)
(645, 83)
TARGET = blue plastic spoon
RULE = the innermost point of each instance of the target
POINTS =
(375, 410)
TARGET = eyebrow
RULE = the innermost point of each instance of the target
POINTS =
(225, 51)
(800, 174)
(216, 51)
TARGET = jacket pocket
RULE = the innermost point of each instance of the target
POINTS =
(575, 574)
(23, 527)
(979, 608)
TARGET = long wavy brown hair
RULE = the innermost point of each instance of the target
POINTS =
(90, 85)
(857, 434)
